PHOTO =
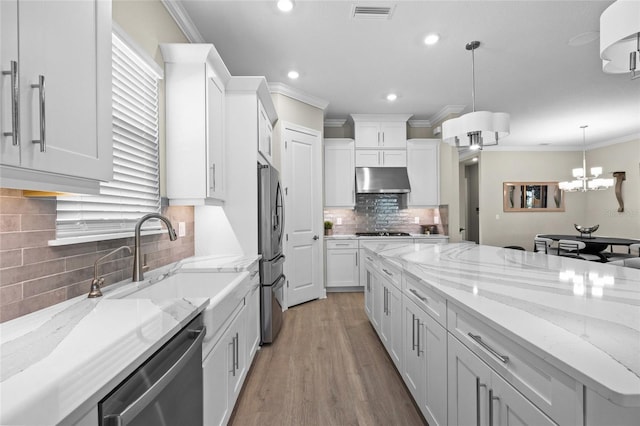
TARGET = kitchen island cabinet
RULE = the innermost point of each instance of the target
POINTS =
(525, 341)
(58, 139)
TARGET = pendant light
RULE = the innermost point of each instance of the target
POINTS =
(581, 181)
(477, 128)
(620, 38)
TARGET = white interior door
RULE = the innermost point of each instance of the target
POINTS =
(303, 207)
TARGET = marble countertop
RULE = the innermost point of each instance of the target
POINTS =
(56, 364)
(582, 317)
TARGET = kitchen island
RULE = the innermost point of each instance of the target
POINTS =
(561, 335)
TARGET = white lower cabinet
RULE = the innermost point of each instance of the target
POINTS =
(225, 368)
(366, 280)
(342, 268)
(425, 362)
(391, 321)
(479, 396)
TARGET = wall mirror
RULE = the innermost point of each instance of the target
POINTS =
(532, 197)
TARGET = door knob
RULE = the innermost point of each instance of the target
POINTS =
(315, 237)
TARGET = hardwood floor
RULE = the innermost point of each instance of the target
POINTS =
(327, 367)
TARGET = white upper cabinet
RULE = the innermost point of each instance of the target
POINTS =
(381, 131)
(195, 148)
(339, 173)
(56, 95)
(423, 158)
(265, 134)
(381, 158)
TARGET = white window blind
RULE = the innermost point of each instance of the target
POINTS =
(134, 190)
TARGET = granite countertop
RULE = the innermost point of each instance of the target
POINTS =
(56, 364)
(582, 317)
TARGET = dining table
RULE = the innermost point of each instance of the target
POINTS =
(593, 245)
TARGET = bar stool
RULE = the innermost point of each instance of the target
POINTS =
(542, 244)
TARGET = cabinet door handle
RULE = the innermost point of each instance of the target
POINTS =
(413, 332)
(342, 244)
(41, 103)
(418, 295)
(387, 272)
(478, 340)
(356, 258)
(237, 353)
(353, 195)
(213, 177)
(491, 399)
(233, 356)
(419, 325)
(382, 138)
(15, 104)
(478, 386)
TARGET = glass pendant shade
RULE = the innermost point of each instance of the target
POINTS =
(620, 38)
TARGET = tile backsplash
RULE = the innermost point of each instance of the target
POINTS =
(34, 275)
(385, 212)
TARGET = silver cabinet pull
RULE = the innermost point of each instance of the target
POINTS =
(478, 340)
(233, 355)
(478, 386)
(413, 331)
(213, 177)
(387, 272)
(491, 399)
(356, 258)
(236, 365)
(15, 104)
(419, 325)
(315, 237)
(41, 101)
(418, 295)
(342, 244)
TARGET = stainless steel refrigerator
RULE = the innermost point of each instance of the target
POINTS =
(270, 241)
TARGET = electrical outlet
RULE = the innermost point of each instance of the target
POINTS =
(339, 221)
(416, 219)
(436, 220)
(497, 217)
(182, 229)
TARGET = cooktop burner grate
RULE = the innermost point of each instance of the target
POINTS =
(382, 234)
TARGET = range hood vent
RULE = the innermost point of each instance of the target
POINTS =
(371, 12)
(382, 180)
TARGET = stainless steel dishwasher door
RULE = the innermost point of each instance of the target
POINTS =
(165, 390)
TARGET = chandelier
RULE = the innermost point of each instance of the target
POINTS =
(477, 128)
(581, 181)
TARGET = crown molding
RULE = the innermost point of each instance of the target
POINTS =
(419, 123)
(446, 111)
(381, 117)
(334, 122)
(298, 95)
(184, 22)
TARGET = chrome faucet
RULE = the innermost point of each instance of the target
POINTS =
(138, 274)
(97, 282)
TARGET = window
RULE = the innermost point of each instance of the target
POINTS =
(134, 190)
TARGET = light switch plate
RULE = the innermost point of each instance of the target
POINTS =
(339, 221)
(182, 229)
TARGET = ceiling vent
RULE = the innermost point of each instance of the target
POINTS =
(372, 12)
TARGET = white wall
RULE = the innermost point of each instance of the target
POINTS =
(499, 228)
(602, 206)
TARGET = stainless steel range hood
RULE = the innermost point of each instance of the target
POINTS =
(382, 180)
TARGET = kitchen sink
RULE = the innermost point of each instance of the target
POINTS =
(225, 291)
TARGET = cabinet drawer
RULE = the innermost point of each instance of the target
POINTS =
(390, 272)
(552, 391)
(341, 244)
(427, 299)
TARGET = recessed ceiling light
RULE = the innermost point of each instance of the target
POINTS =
(285, 5)
(392, 97)
(474, 159)
(431, 39)
(293, 74)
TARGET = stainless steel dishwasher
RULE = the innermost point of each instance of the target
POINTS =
(165, 390)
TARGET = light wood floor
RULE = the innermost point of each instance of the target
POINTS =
(327, 367)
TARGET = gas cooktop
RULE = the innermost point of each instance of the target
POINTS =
(382, 234)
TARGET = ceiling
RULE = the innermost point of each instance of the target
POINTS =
(525, 64)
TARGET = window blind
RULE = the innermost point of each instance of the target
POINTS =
(134, 190)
